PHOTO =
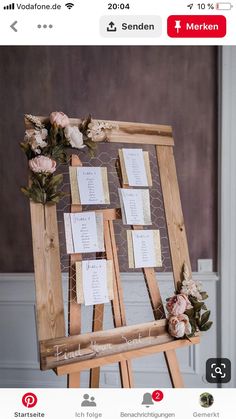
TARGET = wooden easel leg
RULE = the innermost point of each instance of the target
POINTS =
(117, 303)
(73, 380)
(173, 367)
(98, 314)
(126, 375)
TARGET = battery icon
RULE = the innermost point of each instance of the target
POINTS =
(224, 6)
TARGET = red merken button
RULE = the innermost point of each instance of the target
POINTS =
(201, 26)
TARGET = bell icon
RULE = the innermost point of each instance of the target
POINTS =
(147, 399)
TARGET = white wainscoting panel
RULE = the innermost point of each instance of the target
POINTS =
(19, 366)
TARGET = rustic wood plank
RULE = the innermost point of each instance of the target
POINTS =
(129, 132)
(86, 342)
(110, 214)
(154, 293)
(98, 315)
(154, 327)
(158, 312)
(117, 273)
(166, 345)
(153, 289)
(74, 309)
(176, 233)
(173, 210)
(126, 376)
(118, 311)
(49, 296)
(173, 368)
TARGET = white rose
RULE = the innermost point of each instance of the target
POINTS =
(40, 136)
(179, 326)
(36, 139)
(74, 136)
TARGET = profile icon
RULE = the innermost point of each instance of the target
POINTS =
(88, 401)
(206, 400)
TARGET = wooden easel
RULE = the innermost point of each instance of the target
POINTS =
(49, 301)
(98, 310)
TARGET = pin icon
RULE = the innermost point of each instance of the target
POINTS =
(29, 400)
(177, 25)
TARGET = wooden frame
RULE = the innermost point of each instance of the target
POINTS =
(50, 315)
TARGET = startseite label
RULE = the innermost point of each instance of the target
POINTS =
(29, 415)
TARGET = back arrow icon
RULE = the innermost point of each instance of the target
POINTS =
(13, 26)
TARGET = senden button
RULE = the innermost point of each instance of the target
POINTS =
(130, 26)
(200, 26)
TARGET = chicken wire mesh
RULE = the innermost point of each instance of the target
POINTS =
(106, 155)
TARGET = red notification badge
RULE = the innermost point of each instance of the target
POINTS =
(157, 396)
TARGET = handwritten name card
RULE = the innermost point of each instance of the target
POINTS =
(89, 185)
(135, 167)
(135, 206)
(144, 248)
(94, 282)
(84, 232)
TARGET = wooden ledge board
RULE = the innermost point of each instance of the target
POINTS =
(128, 132)
(166, 343)
(104, 347)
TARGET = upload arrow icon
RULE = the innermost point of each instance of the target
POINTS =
(111, 27)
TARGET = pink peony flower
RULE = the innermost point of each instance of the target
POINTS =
(60, 119)
(179, 326)
(178, 304)
(42, 164)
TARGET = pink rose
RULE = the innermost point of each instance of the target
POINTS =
(179, 326)
(42, 164)
(60, 119)
(178, 304)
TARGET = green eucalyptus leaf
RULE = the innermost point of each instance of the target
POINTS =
(90, 144)
(190, 312)
(198, 305)
(55, 180)
(55, 200)
(192, 299)
(205, 317)
(206, 326)
(204, 295)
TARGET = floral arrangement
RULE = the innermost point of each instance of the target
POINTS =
(45, 147)
(187, 310)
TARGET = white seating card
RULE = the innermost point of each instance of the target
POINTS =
(135, 167)
(89, 185)
(84, 232)
(144, 248)
(135, 206)
(94, 281)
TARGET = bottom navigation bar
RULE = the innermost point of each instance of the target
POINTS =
(117, 403)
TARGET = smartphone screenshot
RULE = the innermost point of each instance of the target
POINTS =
(117, 209)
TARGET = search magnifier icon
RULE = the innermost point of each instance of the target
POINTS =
(218, 370)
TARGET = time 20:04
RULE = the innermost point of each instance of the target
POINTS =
(116, 6)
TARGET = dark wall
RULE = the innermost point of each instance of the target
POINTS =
(165, 85)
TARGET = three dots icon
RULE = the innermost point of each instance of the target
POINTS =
(44, 26)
